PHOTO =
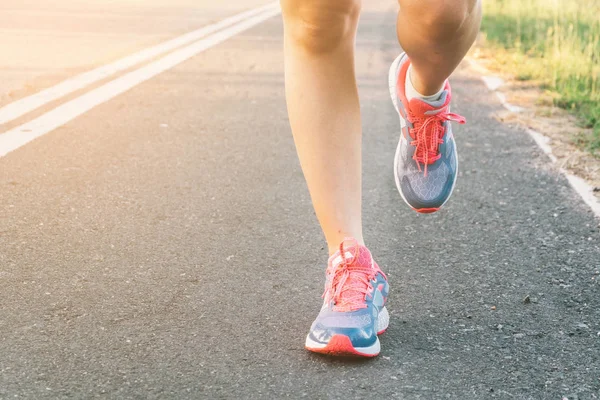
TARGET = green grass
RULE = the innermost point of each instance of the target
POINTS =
(556, 42)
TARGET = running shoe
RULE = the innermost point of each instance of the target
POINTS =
(353, 311)
(426, 163)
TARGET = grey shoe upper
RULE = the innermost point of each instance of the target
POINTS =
(426, 162)
(432, 190)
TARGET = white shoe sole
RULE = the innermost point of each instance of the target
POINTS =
(383, 321)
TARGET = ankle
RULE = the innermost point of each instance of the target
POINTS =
(416, 87)
(334, 246)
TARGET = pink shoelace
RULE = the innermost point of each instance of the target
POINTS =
(427, 132)
(350, 282)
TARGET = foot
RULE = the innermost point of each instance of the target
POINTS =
(354, 312)
(426, 163)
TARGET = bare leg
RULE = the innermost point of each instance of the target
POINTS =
(436, 35)
(324, 110)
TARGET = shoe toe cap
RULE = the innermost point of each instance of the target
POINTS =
(421, 192)
(358, 328)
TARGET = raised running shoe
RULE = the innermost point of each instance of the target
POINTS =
(426, 163)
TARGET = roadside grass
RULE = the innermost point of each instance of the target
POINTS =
(554, 42)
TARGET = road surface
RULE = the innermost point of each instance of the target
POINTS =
(43, 43)
(163, 245)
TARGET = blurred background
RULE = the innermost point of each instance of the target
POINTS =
(42, 42)
(555, 43)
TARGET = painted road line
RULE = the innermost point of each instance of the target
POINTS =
(584, 189)
(23, 134)
(21, 107)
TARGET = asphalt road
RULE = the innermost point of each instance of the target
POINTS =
(44, 42)
(163, 245)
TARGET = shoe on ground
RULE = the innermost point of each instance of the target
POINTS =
(353, 312)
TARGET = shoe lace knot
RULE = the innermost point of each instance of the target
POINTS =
(427, 133)
(348, 282)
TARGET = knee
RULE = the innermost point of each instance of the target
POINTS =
(320, 26)
(440, 19)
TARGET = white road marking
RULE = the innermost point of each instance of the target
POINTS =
(492, 82)
(23, 134)
(21, 107)
(584, 189)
